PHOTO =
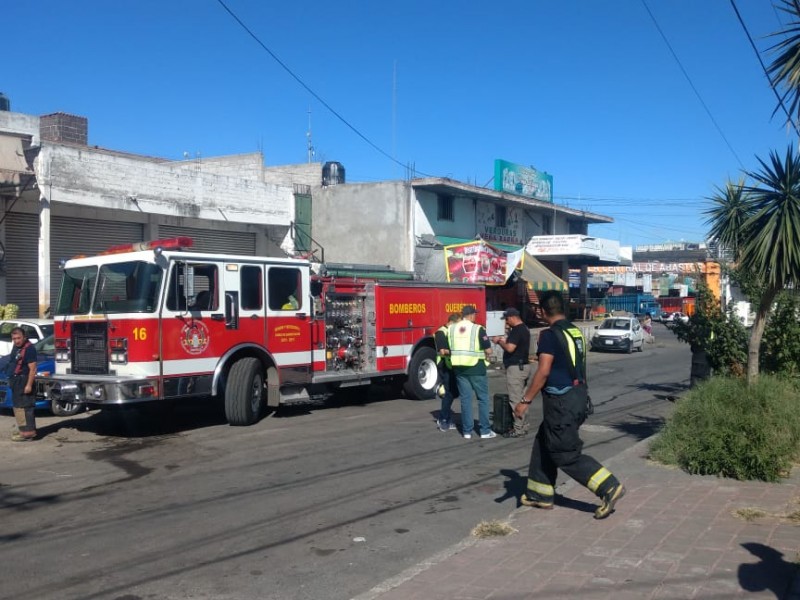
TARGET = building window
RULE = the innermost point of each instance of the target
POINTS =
(499, 216)
(446, 212)
(547, 225)
(284, 288)
(250, 285)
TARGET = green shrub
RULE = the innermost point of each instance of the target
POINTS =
(723, 427)
(780, 346)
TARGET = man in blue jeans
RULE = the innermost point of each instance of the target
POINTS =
(470, 350)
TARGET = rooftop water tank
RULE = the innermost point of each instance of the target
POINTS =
(332, 173)
(5, 103)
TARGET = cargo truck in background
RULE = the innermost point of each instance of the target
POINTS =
(152, 322)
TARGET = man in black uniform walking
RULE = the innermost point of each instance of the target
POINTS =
(561, 378)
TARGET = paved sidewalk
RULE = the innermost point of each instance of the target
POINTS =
(673, 536)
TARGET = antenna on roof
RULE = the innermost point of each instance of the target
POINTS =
(309, 145)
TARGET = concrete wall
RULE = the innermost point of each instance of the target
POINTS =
(104, 179)
(20, 124)
(427, 212)
(368, 223)
(242, 166)
(304, 174)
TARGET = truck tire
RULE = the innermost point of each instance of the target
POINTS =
(244, 392)
(422, 374)
(67, 409)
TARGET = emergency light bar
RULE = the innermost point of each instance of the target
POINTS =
(176, 243)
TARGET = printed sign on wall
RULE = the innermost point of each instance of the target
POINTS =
(489, 229)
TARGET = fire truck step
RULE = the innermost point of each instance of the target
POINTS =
(295, 395)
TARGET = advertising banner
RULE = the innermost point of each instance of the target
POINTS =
(523, 181)
(479, 262)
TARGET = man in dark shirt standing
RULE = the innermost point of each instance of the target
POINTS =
(516, 347)
(20, 372)
(561, 378)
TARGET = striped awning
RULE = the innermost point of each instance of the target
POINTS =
(539, 278)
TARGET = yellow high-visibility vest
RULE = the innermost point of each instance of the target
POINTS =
(465, 344)
(446, 331)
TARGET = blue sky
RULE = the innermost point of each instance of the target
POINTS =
(587, 91)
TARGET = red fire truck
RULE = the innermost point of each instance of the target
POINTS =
(153, 322)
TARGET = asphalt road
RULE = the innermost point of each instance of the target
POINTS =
(320, 502)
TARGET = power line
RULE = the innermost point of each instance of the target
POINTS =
(764, 68)
(312, 92)
(689, 79)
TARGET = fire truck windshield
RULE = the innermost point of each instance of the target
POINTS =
(128, 287)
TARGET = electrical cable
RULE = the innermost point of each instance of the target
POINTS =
(764, 68)
(312, 92)
(686, 75)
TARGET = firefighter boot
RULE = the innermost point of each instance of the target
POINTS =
(26, 430)
(19, 419)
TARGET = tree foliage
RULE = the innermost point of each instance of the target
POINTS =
(761, 225)
(721, 335)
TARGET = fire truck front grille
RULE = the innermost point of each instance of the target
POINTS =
(89, 349)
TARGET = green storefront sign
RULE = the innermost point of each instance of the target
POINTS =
(523, 181)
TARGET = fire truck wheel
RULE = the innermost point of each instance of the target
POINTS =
(422, 374)
(68, 409)
(244, 392)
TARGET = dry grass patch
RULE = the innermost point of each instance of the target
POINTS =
(793, 517)
(749, 513)
(488, 529)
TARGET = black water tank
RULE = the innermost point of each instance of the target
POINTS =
(5, 103)
(332, 173)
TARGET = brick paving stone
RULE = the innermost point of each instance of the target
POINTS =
(674, 536)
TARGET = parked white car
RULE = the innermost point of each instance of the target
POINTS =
(618, 333)
(35, 330)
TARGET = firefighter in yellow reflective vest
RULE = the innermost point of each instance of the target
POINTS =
(561, 378)
(446, 378)
(470, 350)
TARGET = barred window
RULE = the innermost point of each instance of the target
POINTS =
(446, 211)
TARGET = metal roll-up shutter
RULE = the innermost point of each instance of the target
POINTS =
(71, 237)
(22, 263)
(213, 240)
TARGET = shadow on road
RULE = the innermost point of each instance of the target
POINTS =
(515, 485)
(772, 573)
(170, 418)
(639, 426)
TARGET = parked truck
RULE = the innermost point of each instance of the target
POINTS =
(633, 303)
(152, 322)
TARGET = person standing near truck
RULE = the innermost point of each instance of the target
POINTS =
(516, 347)
(20, 372)
(446, 378)
(470, 350)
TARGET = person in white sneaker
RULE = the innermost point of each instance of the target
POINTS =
(470, 350)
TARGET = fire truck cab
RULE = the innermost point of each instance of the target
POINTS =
(151, 322)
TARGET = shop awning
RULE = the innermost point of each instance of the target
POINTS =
(446, 240)
(540, 278)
